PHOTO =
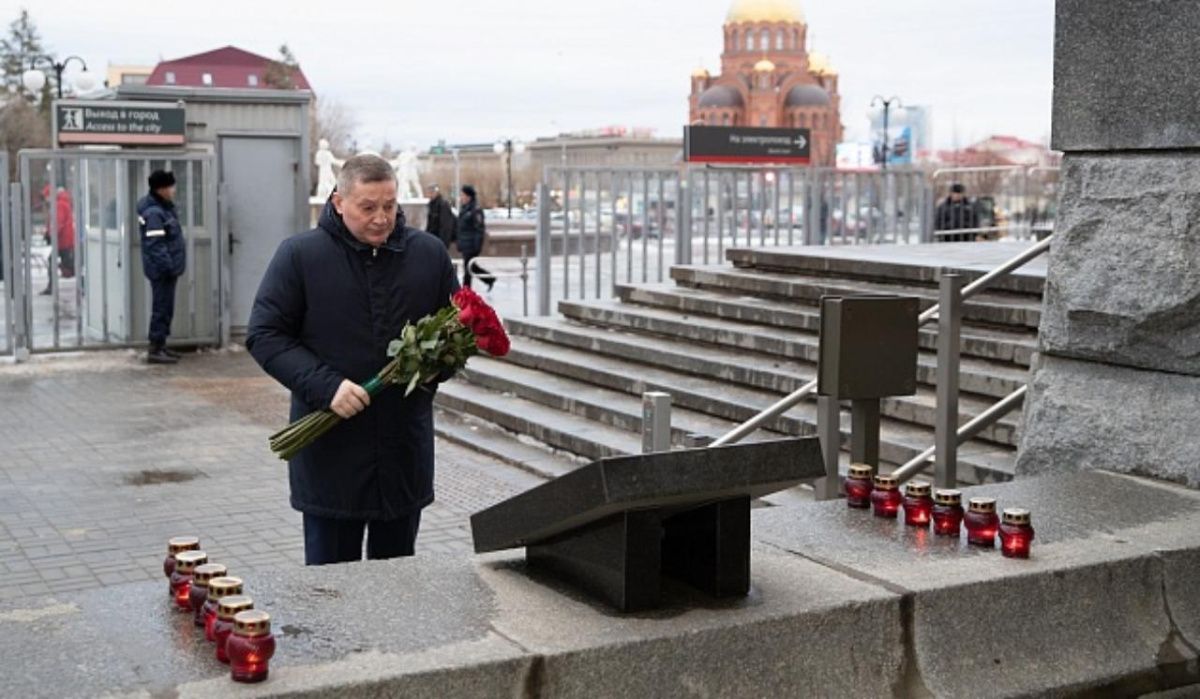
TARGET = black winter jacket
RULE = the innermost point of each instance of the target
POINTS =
(325, 311)
(471, 229)
(441, 221)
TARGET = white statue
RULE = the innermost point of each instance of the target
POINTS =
(325, 161)
(408, 174)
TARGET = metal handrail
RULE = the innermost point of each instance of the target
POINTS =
(976, 425)
(796, 397)
(523, 275)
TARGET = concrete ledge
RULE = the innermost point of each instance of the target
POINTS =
(843, 604)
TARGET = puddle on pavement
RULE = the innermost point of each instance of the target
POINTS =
(158, 477)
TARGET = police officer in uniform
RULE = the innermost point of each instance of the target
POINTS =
(164, 259)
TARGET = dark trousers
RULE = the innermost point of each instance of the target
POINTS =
(484, 276)
(328, 540)
(162, 309)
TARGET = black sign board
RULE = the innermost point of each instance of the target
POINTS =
(119, 123)
(742, 144)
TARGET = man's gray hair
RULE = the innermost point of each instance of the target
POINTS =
(361, 169)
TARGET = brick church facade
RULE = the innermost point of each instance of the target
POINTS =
(768, 78)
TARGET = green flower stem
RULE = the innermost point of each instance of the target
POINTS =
(374, 386)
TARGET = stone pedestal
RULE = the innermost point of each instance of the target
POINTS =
(1117, 384)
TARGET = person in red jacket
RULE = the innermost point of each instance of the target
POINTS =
(65, 224)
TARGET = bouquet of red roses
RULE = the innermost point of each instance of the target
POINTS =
(436, 344)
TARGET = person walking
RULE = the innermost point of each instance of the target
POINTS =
(472, 235)
(164, 259)
(64, 216)
(956, 212)
(330, 302)
(440, 221)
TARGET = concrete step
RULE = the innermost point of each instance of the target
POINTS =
(982, 377)
(592, 400)
(732, 402)
(1015, 346)
(511, 448)
(1005, 310)
(571, 433)
(565, 348)
(919, 265)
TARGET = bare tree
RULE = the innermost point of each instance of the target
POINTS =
(280, 73)
(333, 121)
(21, 126)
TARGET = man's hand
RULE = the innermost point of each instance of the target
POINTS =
(350, 400)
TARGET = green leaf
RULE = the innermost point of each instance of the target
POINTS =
(394, 348)
(412, 385)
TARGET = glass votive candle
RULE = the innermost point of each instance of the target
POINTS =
(885, 497)
(947, 512)
(918, 504)
(251, 646)
(218, 589)
(199, 588)
(227, 609)
(175, 545)
(981, 522)
(858, 486)
(1016, 533)
(186, 563)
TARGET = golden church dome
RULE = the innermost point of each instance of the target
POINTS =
(818, 63)
(764, 66)
(764, 11)
(700, 73)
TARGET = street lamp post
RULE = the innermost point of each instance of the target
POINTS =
(887, 106)
(508, 146)
(34, 79)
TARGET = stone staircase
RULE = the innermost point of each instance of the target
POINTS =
(725, 342)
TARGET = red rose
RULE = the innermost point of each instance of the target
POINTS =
(480, 318)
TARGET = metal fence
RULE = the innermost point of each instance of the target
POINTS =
(76, 283)
(601, 228)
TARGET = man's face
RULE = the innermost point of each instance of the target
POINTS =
(369, 211)
(167, 193)
(463, 199)
(956, 196)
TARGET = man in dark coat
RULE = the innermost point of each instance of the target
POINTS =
(471, 236)
(329, 304)
(164, 259)
(440, 221)
(956, 212)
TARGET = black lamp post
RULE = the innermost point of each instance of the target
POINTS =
(887, 107)
(508, 146)
(34, 79)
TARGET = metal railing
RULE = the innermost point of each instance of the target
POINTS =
(477, 270)
(1011, 201)
(947, 435)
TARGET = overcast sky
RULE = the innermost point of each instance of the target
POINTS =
(476, 70)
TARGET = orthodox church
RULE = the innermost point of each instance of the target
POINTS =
(768, 77)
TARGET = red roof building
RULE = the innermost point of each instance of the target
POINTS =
(228, 67)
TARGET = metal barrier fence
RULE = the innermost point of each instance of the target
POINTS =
(76, 282)
(621, 226)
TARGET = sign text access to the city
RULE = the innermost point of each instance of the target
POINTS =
(742, 144)
(119, 123)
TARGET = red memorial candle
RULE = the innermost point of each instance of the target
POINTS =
(218, 589)
(251, 646)
(858, 486)
(186, 563)
(918, 504)
(885, 498)
(947, 512)
(227, 609)
(199, 588)
(1016, 533)
(981, 522)
(176, 545)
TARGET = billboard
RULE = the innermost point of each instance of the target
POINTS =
(100, 122)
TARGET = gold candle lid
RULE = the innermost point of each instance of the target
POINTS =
(186, 561)
(984, 505)
(179, 544)
(206, 572)
(1016, 515)
(947, 496)
(886, 482)
(861, 471)
(229, 606)
(918, 489)
(254, 622)
(224, 586)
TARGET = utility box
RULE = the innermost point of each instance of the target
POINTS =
(868, 347)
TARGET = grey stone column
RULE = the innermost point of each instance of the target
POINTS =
(1116, 384)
